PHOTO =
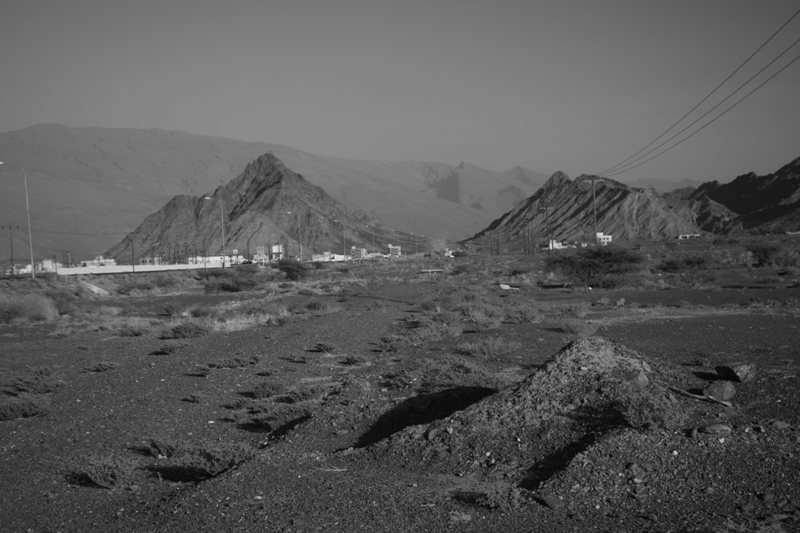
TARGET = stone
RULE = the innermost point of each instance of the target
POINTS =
(780, 424)
(716, 429)
(552, 502)
(638, 379)
(741, 372)
(720, 390)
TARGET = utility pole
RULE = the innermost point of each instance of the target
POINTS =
(594, 206)
(11, 242)
(547, 209)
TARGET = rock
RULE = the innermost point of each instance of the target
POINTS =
(716, 429)
(93, 288)
(432, 434)
(720, 390)
(552, 502)
(741, 372)
(638, 379)
(780, 424)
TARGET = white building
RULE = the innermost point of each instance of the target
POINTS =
(603, 239)
(394, 251)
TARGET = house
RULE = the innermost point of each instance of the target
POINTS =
(358, 253)
(394, 251)
(603, 239)
(685, 236)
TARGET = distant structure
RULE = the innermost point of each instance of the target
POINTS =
(603, 239)
(358, 253)
(686, 236)
(99, 261)
(394, 251)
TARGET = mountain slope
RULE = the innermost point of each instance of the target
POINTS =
(90, 186)
(266, 204)
(622, 211)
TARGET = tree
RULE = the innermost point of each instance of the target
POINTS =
(690, 269)
(593, 264)
(294, 270)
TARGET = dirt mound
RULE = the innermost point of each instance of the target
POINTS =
(529, 432)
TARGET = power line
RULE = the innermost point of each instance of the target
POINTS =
(704, 125)
(622, 163)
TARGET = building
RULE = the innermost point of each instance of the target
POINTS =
(394, 251)
(603, 239)
(685, 236)
(358, 253)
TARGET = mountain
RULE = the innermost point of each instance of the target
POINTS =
(88, 187)
(768, 203)
(567, 206)
(662, 185)
(266, 204)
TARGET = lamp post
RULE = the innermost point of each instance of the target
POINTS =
(222, 223)
(28, 211)
(594, 207)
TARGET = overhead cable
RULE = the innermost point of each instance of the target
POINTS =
(622, 163)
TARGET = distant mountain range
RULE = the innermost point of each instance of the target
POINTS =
(91, 186)
(564, 209)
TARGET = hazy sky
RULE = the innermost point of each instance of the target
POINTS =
(549, 85)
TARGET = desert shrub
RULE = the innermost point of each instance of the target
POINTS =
(101, 367)
(23, 406)
(40, 380)
(105, 472)
(234, 362)
(592, 264)
(186, 330)
(690, 269)
(200, 311)
(170, 348)
(162, 448)
(267, 389)
(572, 310)
(525, 313)
(389, 343)
(65, 301)
(485, 317)
(460, 253)
(642, 410)
(294, 270)
(133, 327)
(201, 462)
(324, 347)
(462, 268)
(765, 254)
(31, 307)
(135, 285)
(489, 347)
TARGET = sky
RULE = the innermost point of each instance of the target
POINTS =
(570, 85)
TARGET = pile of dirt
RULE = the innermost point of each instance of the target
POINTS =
(525, 434)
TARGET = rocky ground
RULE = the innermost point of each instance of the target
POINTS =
(329, 421)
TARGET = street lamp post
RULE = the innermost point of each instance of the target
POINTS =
(28, 211)
(222, 223)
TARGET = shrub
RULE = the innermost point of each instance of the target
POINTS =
(267, 389)
(580, 328)
(105, 472)
(162, 449)
(294, 270)
(39, 381)
(765, 254)
(489, 347)
(32, 307)
(187, 330)
(592, 264)
(198, 463)
(101, 367)
(24, 406)
(690, 269)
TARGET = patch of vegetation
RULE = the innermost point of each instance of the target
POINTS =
(205, 461)
(22, 406)
(101, 367)
(323, 347)
(170, 348)
(106, 472)
(29, 307)
(579, 328)
(40, 380)
(234, 362)
(592, 265)
(489, 347)
(267, 389)
(293, 269)
(186, 330)
(691, 270)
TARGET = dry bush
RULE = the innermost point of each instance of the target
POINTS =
(162, 448)
(205, 461)
(572, 310)
(22, 406)
(489, 347)
(577, 327)
(101, 367)
(39, 380)
(485, 317)
(267, 389)
(29, 307)
(525, 313)
(133, 327)
(186, 330)
(170, 348)
(234, 362)
(105, 472)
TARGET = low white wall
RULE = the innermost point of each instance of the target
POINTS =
(117, 269)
